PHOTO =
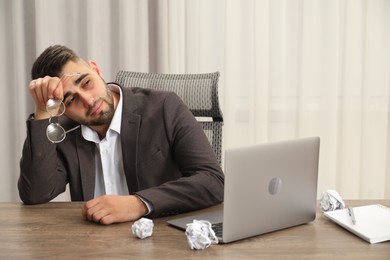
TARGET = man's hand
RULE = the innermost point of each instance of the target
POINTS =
(43, 89)
(110, 209)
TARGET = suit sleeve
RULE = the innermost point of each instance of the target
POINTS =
(202, 181)
(42, 177)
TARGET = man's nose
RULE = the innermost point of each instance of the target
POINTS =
(86, 98)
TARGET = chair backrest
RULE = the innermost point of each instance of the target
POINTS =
(198, 91)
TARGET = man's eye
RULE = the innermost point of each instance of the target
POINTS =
(86, 83)
(70, 100)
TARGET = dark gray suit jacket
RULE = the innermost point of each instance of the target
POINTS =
(167, 158)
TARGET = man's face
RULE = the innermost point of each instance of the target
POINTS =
(87, 98)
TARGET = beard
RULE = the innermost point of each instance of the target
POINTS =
(104, 117)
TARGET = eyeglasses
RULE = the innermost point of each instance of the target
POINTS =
(54, 131)
(56, 108)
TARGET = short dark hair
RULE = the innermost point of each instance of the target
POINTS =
(52, 60)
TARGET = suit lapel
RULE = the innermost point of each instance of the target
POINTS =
(86, 153)
(129, 134)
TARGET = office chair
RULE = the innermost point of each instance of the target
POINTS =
(198, 91)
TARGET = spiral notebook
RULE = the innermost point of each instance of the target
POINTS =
(372, 222)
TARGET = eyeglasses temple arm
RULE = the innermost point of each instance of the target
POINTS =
(72, 129)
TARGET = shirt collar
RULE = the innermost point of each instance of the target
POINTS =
(117, 119)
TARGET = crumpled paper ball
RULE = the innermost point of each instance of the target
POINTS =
(331, 200)
(200, 235)
(142, 228)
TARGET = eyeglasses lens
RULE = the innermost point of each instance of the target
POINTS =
(55, 133)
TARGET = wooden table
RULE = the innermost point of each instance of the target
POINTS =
(56, 231)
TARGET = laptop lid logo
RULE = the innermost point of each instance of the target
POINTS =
(275, 186)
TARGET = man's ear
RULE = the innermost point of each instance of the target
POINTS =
(93, 65)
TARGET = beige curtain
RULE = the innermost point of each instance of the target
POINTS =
(301, 68)
(289, 68)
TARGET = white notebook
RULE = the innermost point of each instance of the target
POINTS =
(372, 222)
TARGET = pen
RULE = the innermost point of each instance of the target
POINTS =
(351, 215)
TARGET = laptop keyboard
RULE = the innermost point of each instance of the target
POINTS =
(217, 227)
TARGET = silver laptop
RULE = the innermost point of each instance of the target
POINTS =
(268, 187)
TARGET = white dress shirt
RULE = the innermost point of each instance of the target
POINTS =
(110, 176)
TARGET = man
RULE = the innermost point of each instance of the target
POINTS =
(137, 153)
